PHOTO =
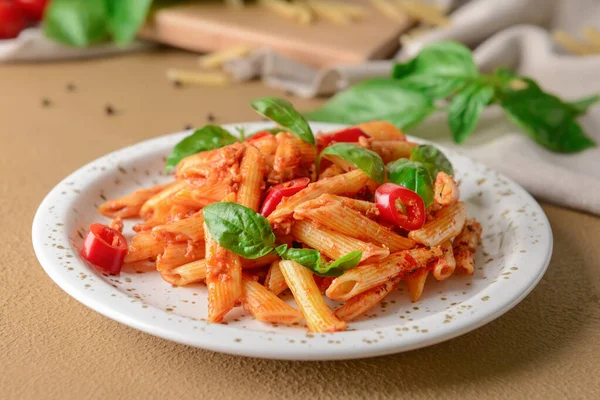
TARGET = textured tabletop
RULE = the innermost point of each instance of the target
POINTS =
(53, 347)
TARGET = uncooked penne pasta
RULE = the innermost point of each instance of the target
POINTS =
(445, 189)
(358, 305)
(160, 198)
(391, 150)
(427, 13)
(129, 206)
(446, 224)
(382, 130)
(144, 246)
(349, 183)
(465, 246)
(191, 228)
(275, 281)
(336, 216)
(186, 274)
(415, 282)
(362, 278)
(318, 315)
(444, 266)
(334, 244)
(252, 171)
(223, 278)
(265, 306)
(177, 254)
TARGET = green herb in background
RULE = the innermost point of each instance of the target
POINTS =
(446, 72)
(209, 137)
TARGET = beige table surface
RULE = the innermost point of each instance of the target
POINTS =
(53, 347)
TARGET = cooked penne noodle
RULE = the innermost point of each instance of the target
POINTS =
(201, 197)
(160, 215)
(358, 305)
(415, 283)
(212, 167)
(318, 315)
(265, 306)
(198, 161)
(275, 280)
(129, 206)
(144, 246)
(445, 265)
(252, 171)
(223, 278)
(259, 262)
(445, 189)
(382, 130)
(333, 244)
(177, 254)
(362, 278)
(349, 183)
(186, 274)
(191, 228)
(293, 158)
(336, 216)
(267, 145)
(465, 246)
(391, 150)
(330, 171)
(446, 224)
(366, 208)
(161, 198)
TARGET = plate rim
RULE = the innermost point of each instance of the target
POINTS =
(140, 322)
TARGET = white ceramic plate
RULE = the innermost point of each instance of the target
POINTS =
(515, 251)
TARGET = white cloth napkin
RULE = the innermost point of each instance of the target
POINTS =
(32, 45)
(514, 39)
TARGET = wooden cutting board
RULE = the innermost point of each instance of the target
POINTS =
(210, 27)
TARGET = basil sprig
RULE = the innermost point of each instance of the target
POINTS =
(248, 234)
(359, 157)
(412, 175)
(447, 71)
(209, 137)
(282, 112)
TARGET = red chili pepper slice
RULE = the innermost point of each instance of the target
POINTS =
(386, 198)
(259, 135)
(348, 135)
(105, 248)
(278, 192)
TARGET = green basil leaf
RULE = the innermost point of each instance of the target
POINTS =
(312, 260)
(282, 112)
(125, 18)
(438, 70)
(412, 175)
(545, 118)
(239, 229)
(76, 22)
(209, 137)
(433, 159)
(581, 106)
(466, 108)
(358, 157)
(375, 99)
(272, 131)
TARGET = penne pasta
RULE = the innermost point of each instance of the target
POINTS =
(129, 206)
(198, 198)
(382, 130)
(293, 158)
(144, 246)
(362, 278)
(360, 304)
(445, 265)
(336, 216)
(223, 278)
(217, 59)
(318, 315)
(349, 183)
(177, 254)
(259, 262)
(330, 171)
(334, 244)
(161, 198)
(265, 306)
(465, 246)
(391, 150)
(252, 170)
(275, 281)
(429, 14)
(446, 224)
(186, 274)
(415, 283)
(191, 228)
(366, 208)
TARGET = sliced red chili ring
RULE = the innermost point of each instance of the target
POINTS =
(105, 248)
(278, 192)
(387, 197)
